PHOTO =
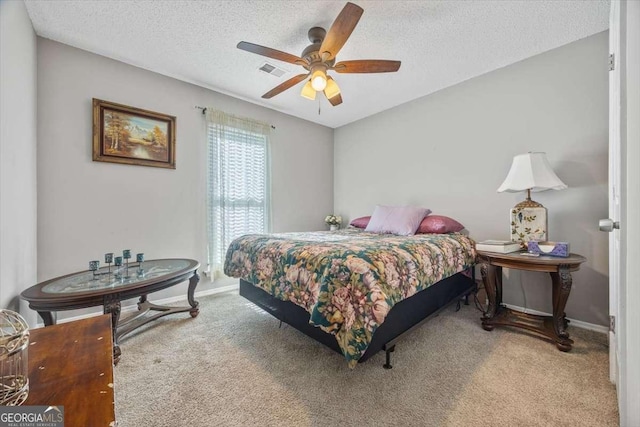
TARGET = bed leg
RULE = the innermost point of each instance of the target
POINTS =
(466, 299)
(457, 306)
(280, 325)
(388, 351)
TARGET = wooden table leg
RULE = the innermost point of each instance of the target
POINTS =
(492, 279)
(112, 306)
(141, 301)
(497, 276)
(561, 289)
(47, 318)
(193, 282)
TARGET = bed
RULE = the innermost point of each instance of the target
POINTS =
(354, 291)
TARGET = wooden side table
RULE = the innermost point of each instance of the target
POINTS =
(550, 327)
(71, 365)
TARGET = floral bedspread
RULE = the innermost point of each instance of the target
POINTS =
(347, 280)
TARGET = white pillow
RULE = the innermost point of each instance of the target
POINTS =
(400, 220)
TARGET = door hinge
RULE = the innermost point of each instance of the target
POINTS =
(612, 62)
(612, 324)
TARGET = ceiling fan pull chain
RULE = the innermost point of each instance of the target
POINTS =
(318, 105)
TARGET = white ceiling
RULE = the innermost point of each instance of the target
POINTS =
(440, 43)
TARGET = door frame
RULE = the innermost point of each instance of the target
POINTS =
(628, 299)
(614, 183)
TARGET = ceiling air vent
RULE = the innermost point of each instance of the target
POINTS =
(272, 69)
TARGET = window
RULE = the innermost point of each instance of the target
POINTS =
(237, 184)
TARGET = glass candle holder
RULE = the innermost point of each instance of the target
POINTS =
(126, 254)
(108, 259)
(118, 261)
(14, 367)
(140, 260)
(93, 266)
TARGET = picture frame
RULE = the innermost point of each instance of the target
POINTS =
(133, 136)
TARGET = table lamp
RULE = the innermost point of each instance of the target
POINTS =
(530, 172)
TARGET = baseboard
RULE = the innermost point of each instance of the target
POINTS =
(164, 301)
(235, 286)
(577, 323)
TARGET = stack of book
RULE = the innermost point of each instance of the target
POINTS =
(500, 246)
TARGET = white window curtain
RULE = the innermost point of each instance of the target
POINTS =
(238, 196)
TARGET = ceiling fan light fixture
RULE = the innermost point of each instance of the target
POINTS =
(320, 57)
(319, 80)
(332, 88)
(308, 91)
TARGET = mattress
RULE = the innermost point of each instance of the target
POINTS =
(347, 280)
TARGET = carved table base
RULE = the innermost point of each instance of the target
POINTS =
(110, 297)
(124, 326)
(540, 325)
(549, 327)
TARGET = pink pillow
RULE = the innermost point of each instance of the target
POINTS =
(360, 222)
(439, 224)
(400, 220)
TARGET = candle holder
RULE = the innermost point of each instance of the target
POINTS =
(93, 266)
(140, 260)
(121, 265)
(118, 263)
(126, 254)
(108, 259)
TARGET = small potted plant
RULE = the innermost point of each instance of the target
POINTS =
(333, 221)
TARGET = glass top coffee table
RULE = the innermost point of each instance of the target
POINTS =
(108, 288)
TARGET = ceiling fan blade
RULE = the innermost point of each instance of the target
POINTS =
(336, 100)
(340, 31)
(285, 85)
(271, 53)
(367, 66)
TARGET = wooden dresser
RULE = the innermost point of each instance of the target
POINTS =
(71, 365)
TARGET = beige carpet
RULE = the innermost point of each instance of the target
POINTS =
(232, 366)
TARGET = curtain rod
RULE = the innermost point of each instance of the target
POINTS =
(204, 110)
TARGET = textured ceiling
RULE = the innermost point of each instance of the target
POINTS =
(440, 43)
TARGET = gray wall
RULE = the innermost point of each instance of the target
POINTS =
(18, 255)
(87, 208)
(450, 151)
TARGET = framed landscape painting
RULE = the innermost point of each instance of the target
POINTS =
(133, 136)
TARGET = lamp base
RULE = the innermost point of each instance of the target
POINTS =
(528, 222)
(528, 204)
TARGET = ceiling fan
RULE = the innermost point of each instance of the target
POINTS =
(320, 57)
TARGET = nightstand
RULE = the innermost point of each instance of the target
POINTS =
(550, 327)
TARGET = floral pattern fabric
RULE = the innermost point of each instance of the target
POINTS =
(347, 280)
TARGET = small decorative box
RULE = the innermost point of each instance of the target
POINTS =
(559, 249)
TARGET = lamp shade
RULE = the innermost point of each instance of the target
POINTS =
(531, 171)
(332, 88)
(308, 91)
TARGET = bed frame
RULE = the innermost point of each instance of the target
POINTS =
(404, 316)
